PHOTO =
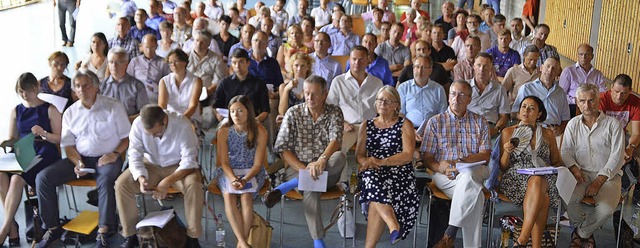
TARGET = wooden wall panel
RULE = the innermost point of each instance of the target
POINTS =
(570, 23)
(618, 47)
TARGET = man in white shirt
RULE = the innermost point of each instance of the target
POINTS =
(94, 135)
(593, 149)
(163, 153)
(213, 10)
(355, 93)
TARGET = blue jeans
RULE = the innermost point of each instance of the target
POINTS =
(496, 5)
(468, 2)
(62, 172)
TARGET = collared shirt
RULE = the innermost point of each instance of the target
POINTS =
(387, 16)
(130, 91)
(280, 20)
(458, 45)
(306, 138)
(236, 46)
(378, 68)
(95, 131)
(438, 74)
(516, 77)
(627, 112)
(267, 70)
(137, 34)
(296, 19)
(252, 87)
(181, 35)
(274, 43)
(546, 52)
(491, 103)
(484, 27)
(322, 17)
(503, 61)
(128, 43)
(573, 76)
(210, 68)
(178, 145)
(188, 46)
(154, 23)
(596, 149)
(448, 137)
(149, 72)
(395, 56)
(330, 29)
(168, 6)
(356, 101)
(327, 68)
(213, 12)
(463, 70)
(419, 104)
(518, 44)
(447, 25)
(128, 8)
(554, 101)
(341, 44)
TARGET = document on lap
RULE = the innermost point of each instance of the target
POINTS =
(464, 166)
(250, 187)
(306, 182)
(538, 171)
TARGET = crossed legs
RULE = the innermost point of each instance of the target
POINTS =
(536, 210)
(10, 195)
(378, 215)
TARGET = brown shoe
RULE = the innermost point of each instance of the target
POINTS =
(69, 44)
(445, 242)
(576, 241)
(589, 242)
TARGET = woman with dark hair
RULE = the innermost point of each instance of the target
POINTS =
(179, 92)
(96, 60)
(531, 192)
(43, 120)
(242, 143)
(57, 83)
(459, 26)
(308, 26)
(165, 43)
(224, 39)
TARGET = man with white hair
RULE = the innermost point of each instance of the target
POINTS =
(206, 64)
(200, 24)
(122, 86)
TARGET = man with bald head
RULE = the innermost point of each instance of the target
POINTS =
(149, 68)
(446, 19)
(181, 29)
(582, 72)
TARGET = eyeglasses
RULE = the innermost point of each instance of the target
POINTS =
(385, 102)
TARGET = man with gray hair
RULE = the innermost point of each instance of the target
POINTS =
(206, 64)
(149, 68)
(163, 153)
(122, 86)
(95, 134)
(199, 24)
(593, 150)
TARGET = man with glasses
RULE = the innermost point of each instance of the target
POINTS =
(122, 86)
(163, 153)
(324, 66)
(457, 136)
(420, 97)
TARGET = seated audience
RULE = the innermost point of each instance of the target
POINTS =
(280, 17)
(396, 53)
(410, 29)
(598, 171)
(374, 24)
(200, 24)
(180, 91)
(488, 97)
(533, 193)
(275, 41)
(459, 26)
(378, 66)
(385, 27)
(541, 33)
(388, 191)
(623, 104)
(303, 5)
(420, 97)
(334, 26)
(441, 53)
(155, 18)
(294, 45)
(503, 56)
(213, 10)
(95, 132)
(57, 83)
(205, 64)
(308, 29)
(322, 14)
(469, 134)
(463, 70)
(291, 92)
(124, 39)
(438, 73)
(344, 40)
(141, 29)
(446, 19)
(415, 6)
(224, 39)
(387, 15)
(499, 23)
(424, 34)
(181, 29)
(243, 14)
(518, 41)
(96, 60)
(318, 121)
(487, 16)
(261, 65)
(122, 86)
(472, 25)
(162, 154)
(244, 44)
(149, 68)
(324, 66)
(198, 12)
(38, 118)
(166, 44)
(235, 26)
(582, 72)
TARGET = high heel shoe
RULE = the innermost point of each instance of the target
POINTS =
(15, 242)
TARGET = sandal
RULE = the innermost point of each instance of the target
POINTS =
(589, 242)
(576, 240)
(517, 244)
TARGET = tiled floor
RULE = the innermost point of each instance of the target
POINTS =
(30, 34)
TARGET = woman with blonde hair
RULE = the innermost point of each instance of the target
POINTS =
(294, 45)
(300, 65)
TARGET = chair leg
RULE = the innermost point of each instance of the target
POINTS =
(620, 222)
(355, 206)
(206, 218)
(73, 195)
(428, 214)
(281, 221)
(66, 194)
(558, 215)
(344, 224)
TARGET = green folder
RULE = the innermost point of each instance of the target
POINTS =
(24, 153)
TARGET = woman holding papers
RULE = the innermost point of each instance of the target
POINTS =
(529, 145)
(241, 148)
(41, 119)
(388, 186)
(57, 83)
(179, 92)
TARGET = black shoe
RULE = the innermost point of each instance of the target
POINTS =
(15, 242)
(192, 243)
(130, 242)
(101, 240)
(50, 237)
(272, 197)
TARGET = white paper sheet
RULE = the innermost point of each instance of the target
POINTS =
(204, 94)
(306, 182)
(270, 87)
(463, 166)
(250, 187)
(9, 163)
(565, 183)
(56, 101)
(157, 218)
(548, 170)
(88, 170)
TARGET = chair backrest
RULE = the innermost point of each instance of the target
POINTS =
(358, 25)
(342, 59)
(252, 12)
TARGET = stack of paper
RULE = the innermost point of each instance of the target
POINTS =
(538, 171)
(24, 157)
(463, 166)
(157, 218)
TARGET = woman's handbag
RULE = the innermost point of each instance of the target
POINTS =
(343, 216)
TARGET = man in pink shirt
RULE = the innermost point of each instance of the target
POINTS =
(580, 73)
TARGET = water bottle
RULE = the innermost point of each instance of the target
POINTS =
(220, 232)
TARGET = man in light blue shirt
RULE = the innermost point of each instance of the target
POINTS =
(343, 41)
(420, 97)
(551, 94)
(324, 66)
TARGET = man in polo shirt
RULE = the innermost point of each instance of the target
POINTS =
(397, 54)
(163, 153)
(149, 68)
(520, 74)
(206, 64)
(122, 86)
(551, 95)
(355, 93)
(324, 66)
(488, 98)
(241, 82)
(95, 132)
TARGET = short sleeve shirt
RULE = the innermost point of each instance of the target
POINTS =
(625, 113)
